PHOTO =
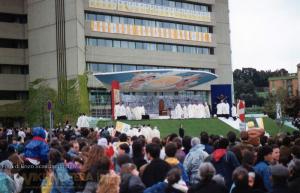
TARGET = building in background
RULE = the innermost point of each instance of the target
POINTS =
(57, 40)
(289, 83)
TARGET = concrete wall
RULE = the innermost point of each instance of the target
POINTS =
(75, 40)
(223, 50)
(13, 56)
(13, 82)
(42, 41)
(13, 6)
(142, 57)
(13, 30)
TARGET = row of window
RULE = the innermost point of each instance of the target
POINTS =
(13, 43)
(13, 95)
(176, 4)
(147, 22)
(148, 46)
(101, 67)
(13, 18)
(13, 69)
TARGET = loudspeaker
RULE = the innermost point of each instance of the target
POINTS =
(145, 117)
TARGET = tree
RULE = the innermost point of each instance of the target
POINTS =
(270, 105)
(292, 106)
(40, 92)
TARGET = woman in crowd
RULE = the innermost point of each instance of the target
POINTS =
(172, 184)
(206, 183)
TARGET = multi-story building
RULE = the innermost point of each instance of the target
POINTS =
(289, 83)
(61, 39)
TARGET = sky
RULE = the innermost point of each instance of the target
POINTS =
(265, 34)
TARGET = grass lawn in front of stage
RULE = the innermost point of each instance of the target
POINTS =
(194, 127)
(272, 128)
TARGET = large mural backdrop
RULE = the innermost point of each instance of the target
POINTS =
(163, 80)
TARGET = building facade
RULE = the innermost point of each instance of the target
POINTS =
(289, 83)
(58, 40)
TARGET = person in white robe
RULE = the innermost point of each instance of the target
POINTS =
(207, 111)
(201, 110)
(190, 111)
(128, 113)
(185, 112)
(219, 109)
(226, 109)
(155, 133)
(178, 112)
(122, 110)
(195, 111)
(117, 111)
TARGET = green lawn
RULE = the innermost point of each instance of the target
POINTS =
(193, 127)
(272, 128)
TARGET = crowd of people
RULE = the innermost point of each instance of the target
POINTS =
(96, 161)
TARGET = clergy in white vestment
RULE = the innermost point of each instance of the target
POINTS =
(128, 113)
(83, 121)
(185, 112)
(178, 111)
(219, 109)
(117, 111)
(155, 133)
(123, 110)
(195, 112)
(190, 111)
(201, 110)
(227, 109)
(207, 111)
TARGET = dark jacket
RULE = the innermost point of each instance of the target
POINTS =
(161, 188)
(283, 188)
(156, 171)
(294, 183)
(208, 187)
(263, 169)
(131, 184)
(225, 162)
(139, 161)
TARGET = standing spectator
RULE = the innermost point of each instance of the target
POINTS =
(181, 131)
(7, 184)
(285, 151)
(74, 150)
(224, 161)
(171, 149)
(204, 138)
(35, 154)
(138, 153)
(280, 175)
(109, 183)
(206, 183)
(241, 181)
(193, 159)
(62, 181)
(275, 155)
(130, 181)
(264, 158)
(172, 184)
(186, 143)
(180, 154)
(157, 169)
(294, 180)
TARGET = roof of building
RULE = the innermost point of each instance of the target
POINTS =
(289, 77)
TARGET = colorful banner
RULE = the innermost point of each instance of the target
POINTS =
(150, 9)
(136, 30)
(122, 127)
